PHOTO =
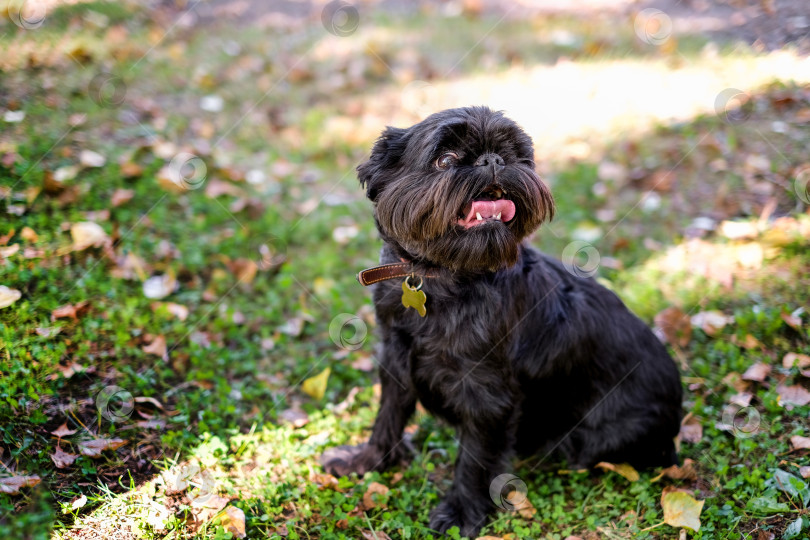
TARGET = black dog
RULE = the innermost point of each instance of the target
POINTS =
(491, 335)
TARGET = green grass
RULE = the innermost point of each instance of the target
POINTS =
(235, 366)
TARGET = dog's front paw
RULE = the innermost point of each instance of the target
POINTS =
(452, 513)
(344, 460)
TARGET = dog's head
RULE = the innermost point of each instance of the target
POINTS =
(457, 190)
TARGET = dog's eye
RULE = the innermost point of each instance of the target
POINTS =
(447, 160)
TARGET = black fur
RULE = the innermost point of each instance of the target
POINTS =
(517, 353)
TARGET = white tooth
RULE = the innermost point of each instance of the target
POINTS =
(478, 215)
(498, 216)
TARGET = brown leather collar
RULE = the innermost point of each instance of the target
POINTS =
(370, 276)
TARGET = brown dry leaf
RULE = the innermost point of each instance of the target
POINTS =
(623, 469)
(792, 395)
(88, 158)
(792, 320)
(795, 359)
(150, 400)
(157, 347)
(233, 519)
(151, 424)
(521, 504)
(63, 431)
(244, 269)
(11, 485)
(804, 471)
(130, 169)
(380, 490)
(178, 310)
(364, 363)
(70, 311)
(711, 322)
(160, 286)
(675, 326)
(743, 399)
(47, 332)
(748, 342)
(684, 472)
(130, 266)
(70, 370)
(325, 481)
(681, 509)
(375, 535)
(87, 234)
(691, 432)
(62, 459)
(8, 251)
(800, 443)
(758, 372)
(8, 296)
(94, 447)
(121, 196)
(29, 235)
(293, 327)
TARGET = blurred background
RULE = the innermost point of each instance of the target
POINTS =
(181, 331)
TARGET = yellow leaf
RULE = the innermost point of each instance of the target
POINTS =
(86, 234)
(681, 509)
(316, 386)
(233, 519)
(622, 468)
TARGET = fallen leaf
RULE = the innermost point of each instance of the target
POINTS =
(316, 386)
(743, 399)
(296, 417)
(711, 322)
(70, 311)
(364, 363)
(87, 234)
(130, 266)
(375, 535)
(94, 447)
(792, 395)
(748, 342)
(157, 347)
(795, 359)
(375, 488)
(121, 196)
(681, 509)
(325, 481)
(29, 235)
(804, 471)
(8, 251)
(233, 519)
(691, 433)
(88, 158)
(244, 269)
(293, 327)
(70, 370)
(150, 400)
(521, 504)
(178, 310)
(623, 469)
(757, 372)
(683, 472)
(79, 502)
(792, 320)
(62, 459)
(63, 431)
(159, 287)
(47, 331)
(151, 424)
(800, 443)
(8, 296)
(675, 326)
(11, 485)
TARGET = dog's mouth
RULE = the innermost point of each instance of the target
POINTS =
(487, 207)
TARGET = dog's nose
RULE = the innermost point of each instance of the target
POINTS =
(493, 160)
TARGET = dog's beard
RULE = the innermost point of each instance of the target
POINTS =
(428, 215)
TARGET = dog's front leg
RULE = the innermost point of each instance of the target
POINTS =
(486, 442)
(386, 447)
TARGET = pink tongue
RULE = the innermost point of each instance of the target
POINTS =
(488, 210)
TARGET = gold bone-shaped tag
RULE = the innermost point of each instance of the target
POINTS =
(414, 298)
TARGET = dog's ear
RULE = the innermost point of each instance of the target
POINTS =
(387, 151)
